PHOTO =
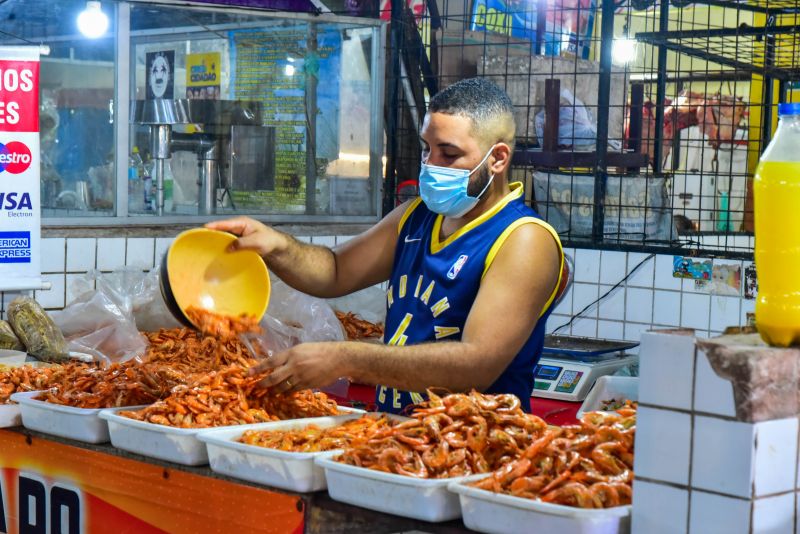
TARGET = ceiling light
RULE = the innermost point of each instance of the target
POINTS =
(92, 22)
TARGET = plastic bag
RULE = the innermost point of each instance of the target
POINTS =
(8, 339)
(576, 127)
(314, 317)
(36, 330)
(369, 304)
(293, 318)
(99, 322)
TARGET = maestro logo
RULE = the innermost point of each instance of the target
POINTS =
(15, 157)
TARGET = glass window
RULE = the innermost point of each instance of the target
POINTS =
(76, 103)
(255, 114)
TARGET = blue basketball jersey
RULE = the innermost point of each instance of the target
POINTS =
(434, 284)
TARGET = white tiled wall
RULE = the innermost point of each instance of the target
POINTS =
(698, 469)
(650, 299)
(65, 260)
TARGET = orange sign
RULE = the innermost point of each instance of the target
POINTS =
(50, 487)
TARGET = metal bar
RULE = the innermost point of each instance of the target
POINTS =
(722, 76)
(552, 99)
(754, 31)
(311, 121)
(541, 25)
(568, 158)
(122, 104)
(769, 93)
(377, 82)
(749, 6)
(635, 121)
(661, 90)
(396, 33)
(603, 101)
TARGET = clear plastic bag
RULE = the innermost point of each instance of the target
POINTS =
(576, 127)
(8, 339)
(150, 312)
(293, 318)
(99, 322)
(369, 304)
(36, 330)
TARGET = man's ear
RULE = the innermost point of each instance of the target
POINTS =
(501, 156)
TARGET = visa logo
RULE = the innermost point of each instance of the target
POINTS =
(15, 201)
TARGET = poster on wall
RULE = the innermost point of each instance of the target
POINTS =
(568, 28)
(203, 76)
(271, 67)
(20, 208)
(161, 74)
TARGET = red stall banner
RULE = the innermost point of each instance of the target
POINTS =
(20, 210)
(46, 486)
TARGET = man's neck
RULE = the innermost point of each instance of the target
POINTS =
(497, 191)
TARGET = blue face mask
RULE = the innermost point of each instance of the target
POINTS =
(444, 190)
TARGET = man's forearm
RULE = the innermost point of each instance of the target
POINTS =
(307, 268)
(456, 366)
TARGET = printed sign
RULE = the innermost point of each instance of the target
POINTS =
(568, 26)
(46, 486)
(160, 74)
(20, 210)
(203, 76)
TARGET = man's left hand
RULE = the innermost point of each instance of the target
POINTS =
(304, 366)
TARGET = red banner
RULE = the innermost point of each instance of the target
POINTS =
(49, 487)
(19, 96)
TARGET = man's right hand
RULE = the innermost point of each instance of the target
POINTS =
(253, 235)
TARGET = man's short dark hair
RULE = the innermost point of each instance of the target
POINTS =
(486, 105)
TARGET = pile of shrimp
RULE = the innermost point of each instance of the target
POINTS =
(588, 465)
(221, 326)
(28, 378)
(174, 357)
(119, 384)
(231, 396)
(358, 328)
(315, 439)
(454, 435)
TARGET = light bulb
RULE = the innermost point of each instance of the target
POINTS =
(623, 50)
(289, 70)
(92, 22)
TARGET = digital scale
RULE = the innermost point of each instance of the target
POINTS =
(570, 365)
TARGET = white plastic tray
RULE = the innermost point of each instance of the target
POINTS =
(80, 424)
(496, 513)
(423, 499)
(294, 471)
(10, 415)
(178, 445)
(607, 388)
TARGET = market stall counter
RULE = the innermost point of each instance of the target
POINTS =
(72, 486)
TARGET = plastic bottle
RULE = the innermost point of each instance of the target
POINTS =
(169, 183)
(135, 185)
(777, 243)
(147, 184)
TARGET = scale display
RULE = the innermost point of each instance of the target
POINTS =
(546, 372)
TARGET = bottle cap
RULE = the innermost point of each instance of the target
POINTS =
(136, 150)
(792, 108)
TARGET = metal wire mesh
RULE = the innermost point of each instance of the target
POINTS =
(652, 152)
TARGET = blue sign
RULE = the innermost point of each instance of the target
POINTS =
(15, 247)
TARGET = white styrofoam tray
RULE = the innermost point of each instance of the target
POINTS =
(178, 445)
(81, 424)
(294, 471)
(423, 499)
(607, 388)
(496, 513)
(10, 415)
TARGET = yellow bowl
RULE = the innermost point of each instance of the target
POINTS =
(198, 271)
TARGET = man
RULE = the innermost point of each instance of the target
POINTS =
(472, 270)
